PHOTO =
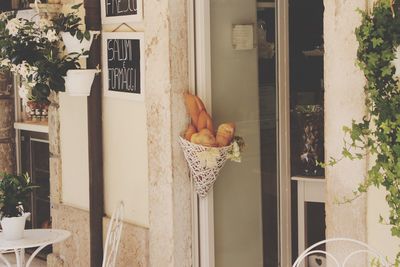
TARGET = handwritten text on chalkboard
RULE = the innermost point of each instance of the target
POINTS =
(123, 58)
(116, 8)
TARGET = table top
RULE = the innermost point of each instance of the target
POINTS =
(35, 238)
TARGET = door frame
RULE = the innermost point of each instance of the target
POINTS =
(200, 80)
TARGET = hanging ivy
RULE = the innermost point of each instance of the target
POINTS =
(378, 133)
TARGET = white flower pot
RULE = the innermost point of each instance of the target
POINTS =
(13, 228)
(79, 82)
(73, 45)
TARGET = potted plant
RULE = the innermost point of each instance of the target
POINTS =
(32, 51)
(14, 192)
(69, 27)
(79, 82)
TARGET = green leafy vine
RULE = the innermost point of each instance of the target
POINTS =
(378, 133)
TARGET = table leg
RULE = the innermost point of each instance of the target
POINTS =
(5, 260)
(20, 257)
(28, 263)
(301, 218)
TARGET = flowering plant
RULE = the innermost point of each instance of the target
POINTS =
(235, 154)
(209, 157)
(71, 22)
(32, 50)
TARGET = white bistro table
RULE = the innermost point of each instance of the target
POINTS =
(32, 238)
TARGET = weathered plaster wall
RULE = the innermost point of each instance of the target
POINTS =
(74, 137)
(379, 235)
(344, 101)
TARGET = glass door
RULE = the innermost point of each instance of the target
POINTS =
(244, 90)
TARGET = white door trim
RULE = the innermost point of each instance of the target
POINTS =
(202, 76)
(284, 183)
(192, 89)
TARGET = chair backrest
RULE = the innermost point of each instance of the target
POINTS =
(113, 237)
(363, 249)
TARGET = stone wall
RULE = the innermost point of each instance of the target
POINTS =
(168, 240)
(169, 185)
(344, 101)
(75, 252)
(7, 137)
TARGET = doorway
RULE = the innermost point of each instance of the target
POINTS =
(243, 72)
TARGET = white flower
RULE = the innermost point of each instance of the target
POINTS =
(25, 93)
(14, 68)
(5, 62)
(23, 70)
(52, 36)
(208, 158)
(234, 154)
(44, 23)
(14, 25)
(396, 62)
(32, 83)
(3, 16)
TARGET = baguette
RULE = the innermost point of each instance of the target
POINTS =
(200, 103)
(192, 108)
(205, 121)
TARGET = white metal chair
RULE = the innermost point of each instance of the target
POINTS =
(363, 249)
(113, 237)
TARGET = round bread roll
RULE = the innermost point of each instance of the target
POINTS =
(225, 134)
(204, 139)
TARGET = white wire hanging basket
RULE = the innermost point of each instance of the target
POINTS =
(204, 163)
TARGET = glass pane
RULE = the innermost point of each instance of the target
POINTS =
(244, 91)
(307, 114)
(306, 86)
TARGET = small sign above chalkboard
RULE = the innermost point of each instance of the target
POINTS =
(118, 11)
(123, 65)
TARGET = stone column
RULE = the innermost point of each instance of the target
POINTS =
(7, 140)
(53, 259)
(344, 101)
(169, 184)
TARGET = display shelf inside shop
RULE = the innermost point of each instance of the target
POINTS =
(33, 126)
(308, 178)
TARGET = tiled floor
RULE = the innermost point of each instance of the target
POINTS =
(36, 262)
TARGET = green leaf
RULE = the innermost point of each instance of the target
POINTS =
(77, 6)
(376, 42)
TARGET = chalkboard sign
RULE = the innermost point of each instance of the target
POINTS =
(123, 65)
(119, 11)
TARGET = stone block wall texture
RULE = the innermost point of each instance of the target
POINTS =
(168, 241)
(7, 139)
(166, 80)
(74, 252)
(344, 101)
(133, 249)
